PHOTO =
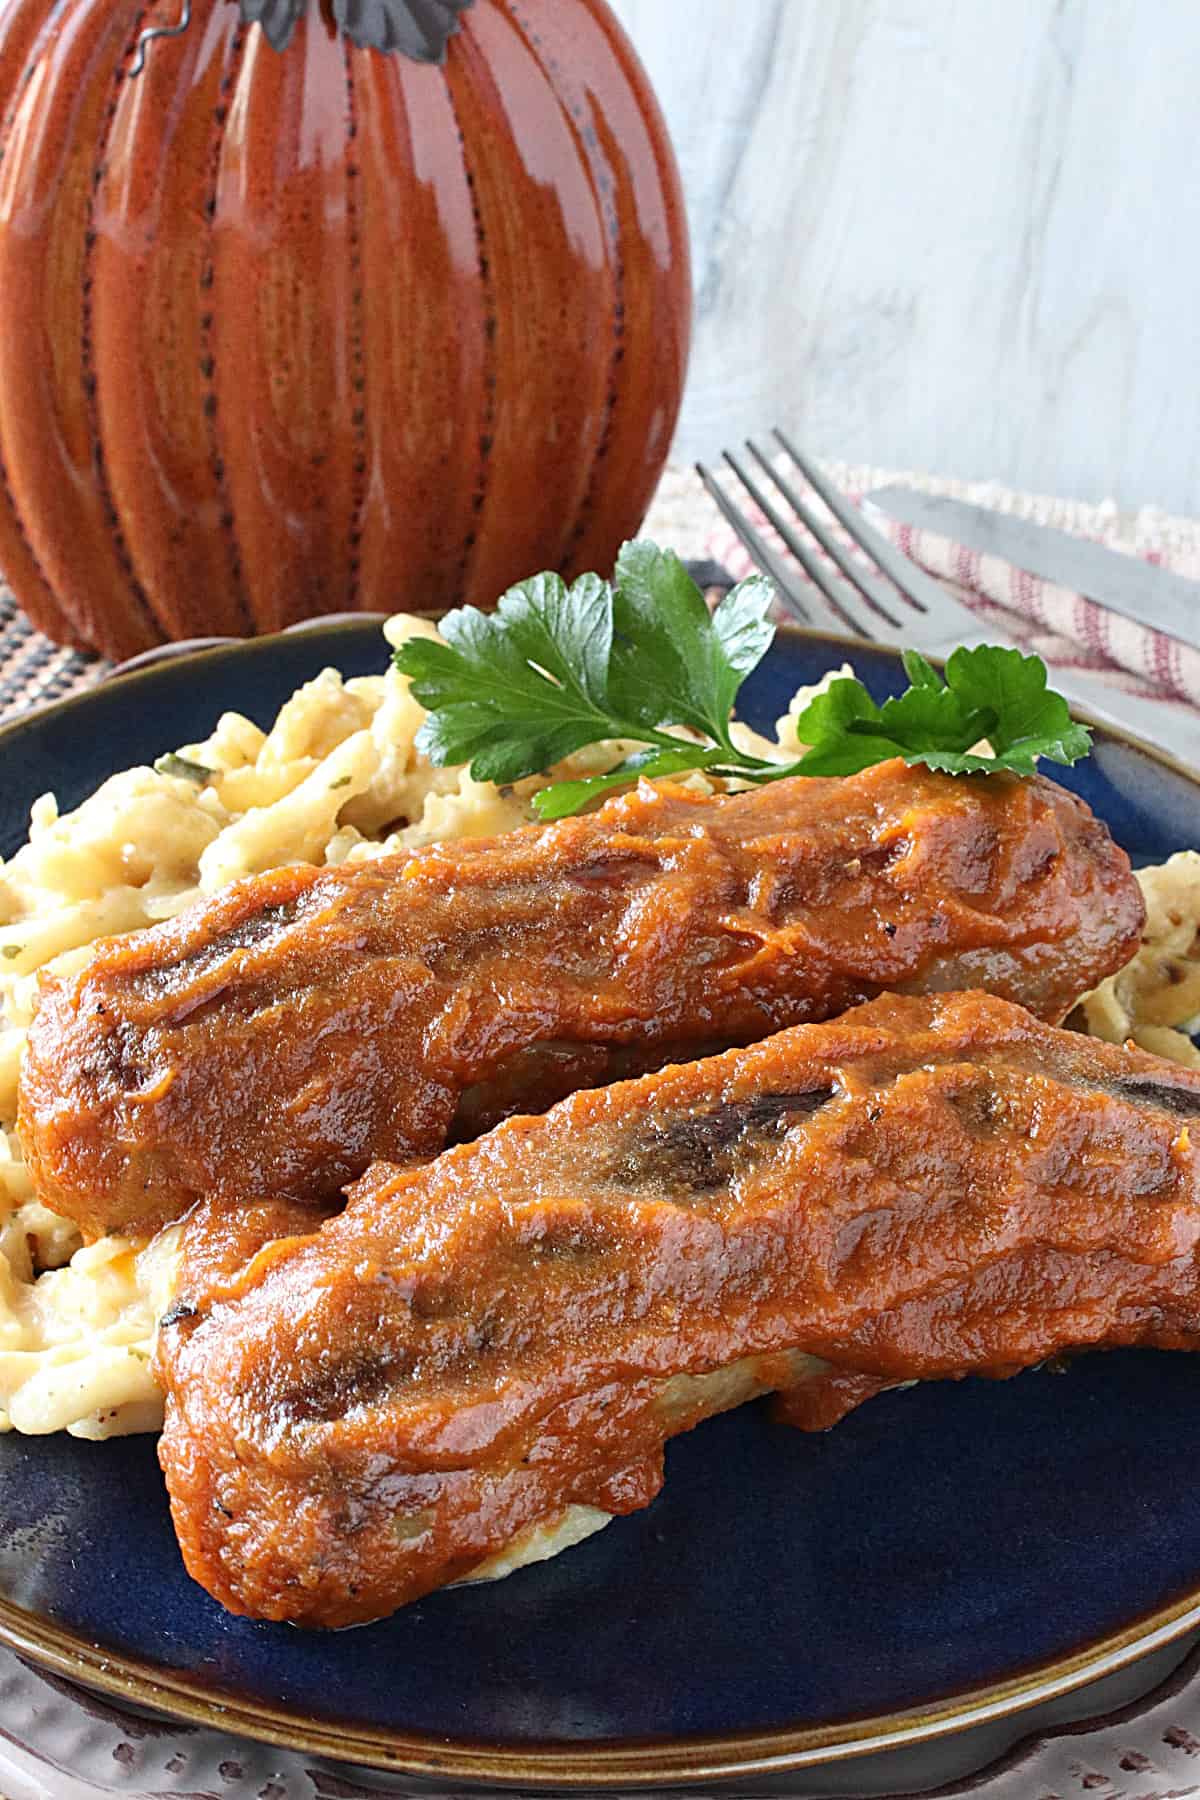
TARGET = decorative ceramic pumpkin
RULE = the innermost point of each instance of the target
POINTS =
(321, 329)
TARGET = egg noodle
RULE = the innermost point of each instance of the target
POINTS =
(337, 779)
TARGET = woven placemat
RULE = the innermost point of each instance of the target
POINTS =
(33, 671)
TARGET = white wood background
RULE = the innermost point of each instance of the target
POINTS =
(959, 236)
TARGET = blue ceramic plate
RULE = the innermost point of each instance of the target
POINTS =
(945, 1555)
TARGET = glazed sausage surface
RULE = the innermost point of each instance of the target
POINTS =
(923, 1188)
(277, 1039)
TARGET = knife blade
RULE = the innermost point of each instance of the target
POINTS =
(1125, 584)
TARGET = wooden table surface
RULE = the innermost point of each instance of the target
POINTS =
(944, 236)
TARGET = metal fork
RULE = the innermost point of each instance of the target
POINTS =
(889, 600)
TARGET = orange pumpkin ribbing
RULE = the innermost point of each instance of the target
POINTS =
(283, 334)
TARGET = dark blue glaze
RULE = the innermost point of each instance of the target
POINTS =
(937, 1541)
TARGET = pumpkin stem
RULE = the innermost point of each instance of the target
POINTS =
(417, 28)
(157, 31)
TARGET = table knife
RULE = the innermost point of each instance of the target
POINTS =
(1125, 584)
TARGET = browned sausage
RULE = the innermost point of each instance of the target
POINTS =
(278, 1038)
(923, 1188)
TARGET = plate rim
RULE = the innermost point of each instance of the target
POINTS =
(647, 1762)
(543, 1763)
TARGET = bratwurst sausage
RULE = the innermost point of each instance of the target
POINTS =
(474, 1350)
(280, 1037)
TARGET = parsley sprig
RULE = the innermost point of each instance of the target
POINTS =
(556, 669)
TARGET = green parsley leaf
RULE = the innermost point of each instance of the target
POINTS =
(988, 693)
(1031, 720)
(658, 614)
(566, 797)
(844, 703)
(934, 718)
(514, 691)
(920, 672)
(673, 662)
(846, 755)
(555, 669)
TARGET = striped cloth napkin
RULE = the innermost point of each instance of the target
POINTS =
(1067, 629)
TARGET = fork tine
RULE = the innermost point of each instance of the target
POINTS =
(945, 613)
(846, 604)
(766, 558)
(880, 596)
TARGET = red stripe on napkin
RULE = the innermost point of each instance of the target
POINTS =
(1066, 628)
